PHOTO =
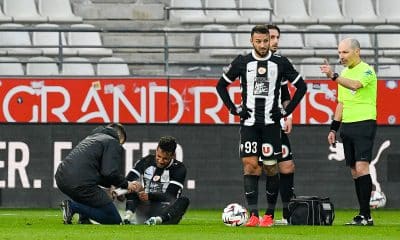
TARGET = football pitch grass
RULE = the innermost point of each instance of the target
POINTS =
(196, 224)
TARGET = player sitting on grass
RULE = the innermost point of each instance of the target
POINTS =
(158, 200)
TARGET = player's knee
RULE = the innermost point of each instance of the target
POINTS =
(184, 201)
(361, 168)
(286, 167)
(251, 168)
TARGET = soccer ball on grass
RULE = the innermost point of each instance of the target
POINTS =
(234, 215)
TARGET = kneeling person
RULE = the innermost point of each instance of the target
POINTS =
(159, 200)
(94, 163)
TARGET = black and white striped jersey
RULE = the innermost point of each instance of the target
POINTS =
(159, 180)
(260, 82)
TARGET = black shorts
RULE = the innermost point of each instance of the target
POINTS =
(286, 148)
(358, 141)
(261, 141)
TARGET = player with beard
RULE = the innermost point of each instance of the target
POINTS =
(159, 199)
(260, 112)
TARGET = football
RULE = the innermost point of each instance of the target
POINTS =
(234, 215)
(377, 200)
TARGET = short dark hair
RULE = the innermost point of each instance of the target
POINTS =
(167, 144)
(259, 29)
(273, 26)
(120, 130)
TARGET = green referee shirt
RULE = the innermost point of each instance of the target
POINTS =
(359, 105)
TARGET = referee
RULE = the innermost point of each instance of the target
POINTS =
(356, 112)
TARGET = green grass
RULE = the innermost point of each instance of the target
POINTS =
(197, 224)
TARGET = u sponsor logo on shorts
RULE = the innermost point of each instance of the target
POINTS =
(285, 151)
(267, 150)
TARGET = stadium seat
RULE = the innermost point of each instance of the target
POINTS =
(4, 18)
(87, 39)
(256, 16)
(189, 16)
(17, 39)
(386, 70)
(243, 39)
(292, 12)
(77, 66)
(388, 40)
(361, 11)
(224, 16)
(58, 11)
(221, 41)
(294, 41)
(51, 39)
(363, 38)
(22, 11)
(310, 68)
(10, 66)
(327, 12)
(319, 41)
(117, 68)
(41, 66)
(388, 9)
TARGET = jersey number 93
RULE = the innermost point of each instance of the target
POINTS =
(248, 147)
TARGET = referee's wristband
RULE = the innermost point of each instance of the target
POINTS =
(335, 125)
(334, 76)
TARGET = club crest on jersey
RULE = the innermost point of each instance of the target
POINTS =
(267, 149)
(156, 178)
(261, 70)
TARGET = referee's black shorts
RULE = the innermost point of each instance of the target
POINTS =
(358, 141)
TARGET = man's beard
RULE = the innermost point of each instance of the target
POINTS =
(261, 55)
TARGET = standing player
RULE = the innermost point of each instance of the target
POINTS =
(260, 74)
(356, 112)
(284, 181)
(159, 200)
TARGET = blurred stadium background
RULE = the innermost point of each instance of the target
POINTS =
(68, 65)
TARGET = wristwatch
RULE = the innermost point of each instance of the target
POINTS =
(335, 76)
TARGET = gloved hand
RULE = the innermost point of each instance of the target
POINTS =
(242, 111)
(277, 113)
